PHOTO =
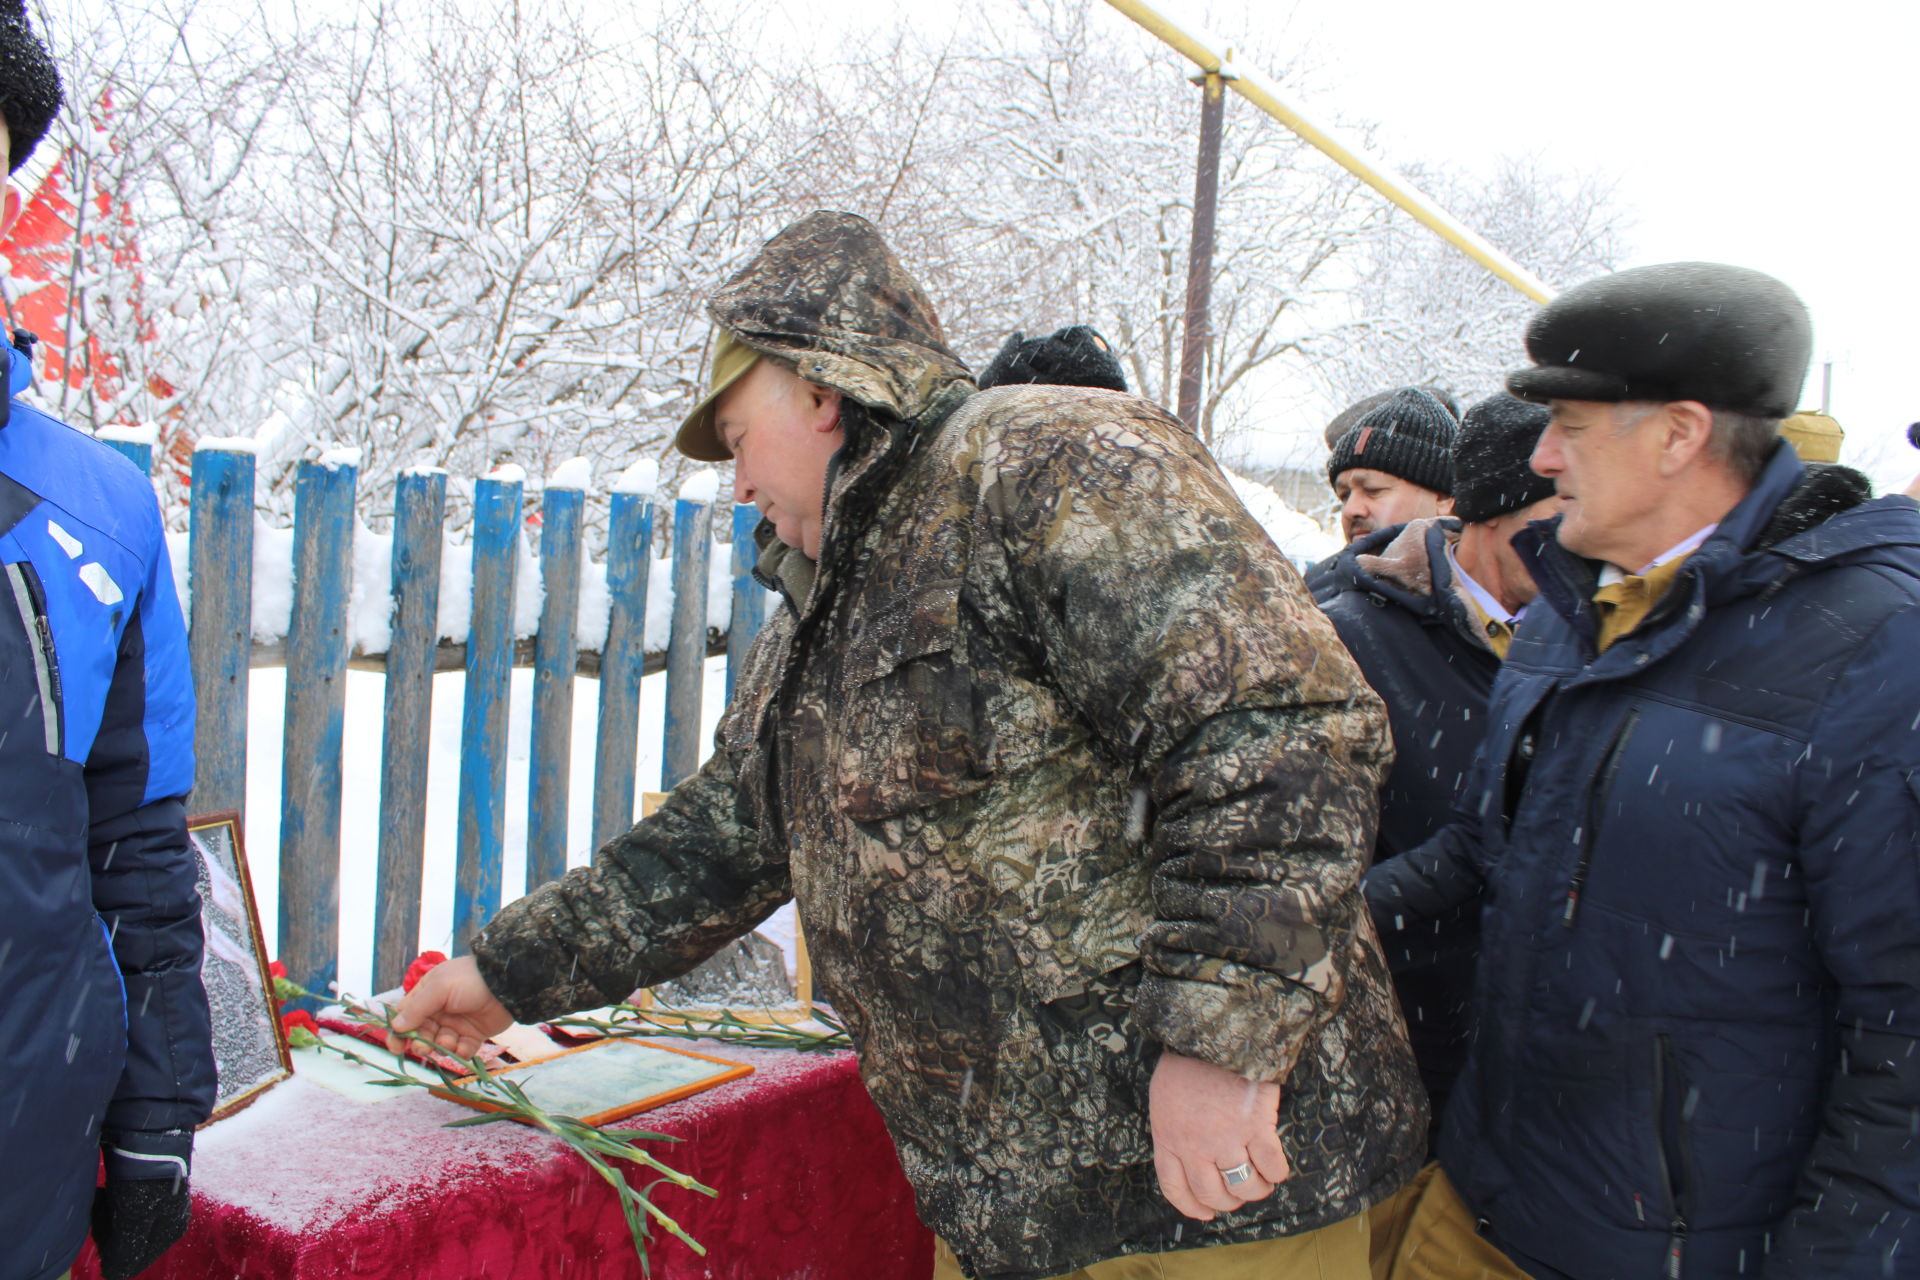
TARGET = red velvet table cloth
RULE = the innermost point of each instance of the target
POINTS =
(307, 1184)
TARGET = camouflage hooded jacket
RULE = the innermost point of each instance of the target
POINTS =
(1062, 766)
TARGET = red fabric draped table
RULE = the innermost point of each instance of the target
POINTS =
(308, 1184)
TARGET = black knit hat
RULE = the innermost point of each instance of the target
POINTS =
(29, 83)
(1729, 337)
(1490, 472)
(1409, 435)
(1076, 356)
(1344, 421)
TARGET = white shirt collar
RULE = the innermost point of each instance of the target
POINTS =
(1612, 573)
(1485, 600)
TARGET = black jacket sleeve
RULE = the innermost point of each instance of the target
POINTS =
(143, 868)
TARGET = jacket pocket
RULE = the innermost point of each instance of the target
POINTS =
(910, 732)
(1589, 831)
(29, 603)
(1672, 1107)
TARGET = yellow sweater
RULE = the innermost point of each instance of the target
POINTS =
(1625, 604)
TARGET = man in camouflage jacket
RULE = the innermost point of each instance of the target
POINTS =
(1068, 777)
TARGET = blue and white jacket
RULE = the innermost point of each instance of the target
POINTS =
(104, 1031)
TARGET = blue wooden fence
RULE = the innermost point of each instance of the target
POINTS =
(317, 655)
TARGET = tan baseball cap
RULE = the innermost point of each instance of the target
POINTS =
(1814, 436)
(731, 359)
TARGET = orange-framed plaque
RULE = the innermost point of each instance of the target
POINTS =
(611, 1079)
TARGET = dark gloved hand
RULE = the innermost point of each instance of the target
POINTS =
(144, 1206)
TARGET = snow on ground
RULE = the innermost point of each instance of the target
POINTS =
(360, 804)
(1298, 536)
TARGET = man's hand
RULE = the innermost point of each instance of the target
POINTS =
(1206, 1120)
(452, 1007)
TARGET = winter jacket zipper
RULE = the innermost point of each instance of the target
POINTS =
(46, 662)
(1596, 809)
(1665, 1082)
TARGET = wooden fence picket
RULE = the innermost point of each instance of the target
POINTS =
(481, 855)
(556, 652)
(749, 597)
(687, 641)
(317, 645)
(220, 624)
(622, 664)
(419, 507)
(138, 452)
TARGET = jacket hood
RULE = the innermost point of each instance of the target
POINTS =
(19, 378)
(828, 297)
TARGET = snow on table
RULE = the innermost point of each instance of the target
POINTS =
(305, 1157)
(308, 1184)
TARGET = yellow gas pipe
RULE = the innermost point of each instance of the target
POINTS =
(1191, 43)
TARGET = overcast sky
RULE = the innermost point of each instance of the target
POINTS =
(1772, 135)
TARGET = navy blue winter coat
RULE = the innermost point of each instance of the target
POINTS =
(1698, 1002)
(1392, 598)
(104, 1034)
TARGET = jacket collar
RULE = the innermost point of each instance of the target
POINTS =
(1739, 560)
(1406, 566)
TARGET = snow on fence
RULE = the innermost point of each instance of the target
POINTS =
(407, 634)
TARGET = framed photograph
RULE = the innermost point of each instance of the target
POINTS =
(610, 1080)
(249, 1046)
(765, 977)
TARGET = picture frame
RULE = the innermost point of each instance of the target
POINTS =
(610, 1079)
(249, 1043)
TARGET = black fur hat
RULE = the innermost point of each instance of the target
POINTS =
(1491, 475)
(1076, 356)
(1729, 337)
(29, 83)
(1410, 435)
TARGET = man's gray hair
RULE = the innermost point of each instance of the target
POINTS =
(1744, 441)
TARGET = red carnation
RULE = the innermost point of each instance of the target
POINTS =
(302, 1031)
(418, 969)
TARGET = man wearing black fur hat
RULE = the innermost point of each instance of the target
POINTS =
(104, 1023)
(1695, 821)
(1428, 608)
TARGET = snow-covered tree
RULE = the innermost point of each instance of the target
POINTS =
(466, 232)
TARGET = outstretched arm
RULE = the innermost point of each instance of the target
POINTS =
(657, 900)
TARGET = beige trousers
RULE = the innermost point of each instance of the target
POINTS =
(1334, 1252)
(1426, 1232)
